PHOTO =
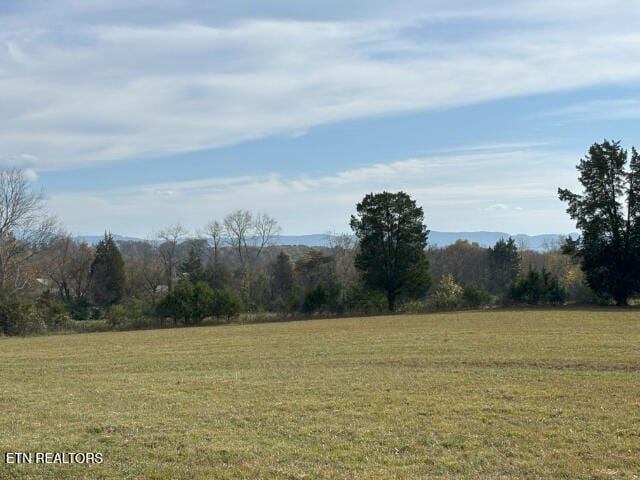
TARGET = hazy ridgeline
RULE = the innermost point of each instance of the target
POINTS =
(255, 282)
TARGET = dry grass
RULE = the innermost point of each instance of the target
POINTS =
(499, 394)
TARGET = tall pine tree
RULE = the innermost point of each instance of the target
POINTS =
(608, 214)
(504, 263)
(107, 273)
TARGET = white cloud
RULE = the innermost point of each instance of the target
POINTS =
(21, 160)
(614, 109)
(82, 83)
(451, 190)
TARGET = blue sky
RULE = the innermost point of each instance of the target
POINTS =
(134, 115)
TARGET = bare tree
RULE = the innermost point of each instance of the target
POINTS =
(343, 250)
(24, 227)
(145, 268)
(249, 234)
(68, 265)
(265, 230)
(168, 250)
(215, 231)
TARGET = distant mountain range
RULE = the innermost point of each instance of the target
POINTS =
(436, 239)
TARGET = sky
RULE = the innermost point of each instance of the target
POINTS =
(135, 115)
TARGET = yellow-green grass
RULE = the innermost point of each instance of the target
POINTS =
(496, 394)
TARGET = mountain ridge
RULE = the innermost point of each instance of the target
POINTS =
(541, 242)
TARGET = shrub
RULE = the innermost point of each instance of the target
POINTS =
(361, 299)
(79, 309)
(314, 300)
(177, 303)
(18, 318)
(535, 288)
(191, 303)
(226, 303)
(473, 297)
(448, 294)
(116, 315)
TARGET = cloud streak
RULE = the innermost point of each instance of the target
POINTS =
(451, 189)
(96, 87)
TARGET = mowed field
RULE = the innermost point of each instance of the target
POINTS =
(496, 394)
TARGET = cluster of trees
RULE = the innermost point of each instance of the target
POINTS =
(232, 266)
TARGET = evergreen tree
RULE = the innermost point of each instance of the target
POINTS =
(107, 273)
(535, 288)
(281, 276)
(192, 265)
(504, 263)
(392, 239)
(608, 214)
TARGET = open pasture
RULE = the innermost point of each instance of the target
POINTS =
(495, 394)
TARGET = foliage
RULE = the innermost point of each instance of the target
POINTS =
(226, 304)
(19, 318)
(468, 262)
(107, 273)
(504, 263)
(52, 311)
(192, 266)
(281, 276)
(79, 308)
(392, 237)
(316, 278)
(536, 288)
(116, 315)
(474, 297)
(190, 303)
(448, 293)
(608, 215)
(365, 300)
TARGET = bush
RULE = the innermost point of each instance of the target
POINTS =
(18, 318)
(52, 311)
(314, 300)
(536, 288)
(473, 297)
(361, 299)
(448, 294)
(192, 303)
(226, 303)
(79, 309)
(116, 315)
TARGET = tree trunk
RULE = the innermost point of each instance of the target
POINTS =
(391, 300)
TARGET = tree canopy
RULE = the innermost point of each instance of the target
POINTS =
(107, 273)
(504, 263)
(392, 238)
(608, 215)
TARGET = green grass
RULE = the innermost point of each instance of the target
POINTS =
(497, 394)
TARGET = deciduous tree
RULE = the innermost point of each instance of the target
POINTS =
(25, 227)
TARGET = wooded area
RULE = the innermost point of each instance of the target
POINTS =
(50, 281)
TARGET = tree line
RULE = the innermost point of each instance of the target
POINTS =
(231, 268)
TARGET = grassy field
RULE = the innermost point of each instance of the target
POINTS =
(498, 394)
